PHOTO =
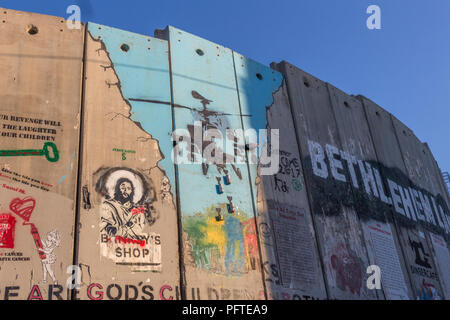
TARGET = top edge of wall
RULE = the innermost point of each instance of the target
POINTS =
(32, 14)
(91, 25)
(410, 132)
(288, 65)
(163, 34)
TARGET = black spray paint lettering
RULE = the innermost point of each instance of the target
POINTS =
(411, 203)
(368, 178)
(10, 292)
(131, 252)
(54, 291)
(421, 255)
(289, 168)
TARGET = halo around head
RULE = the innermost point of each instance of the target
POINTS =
(134, 178)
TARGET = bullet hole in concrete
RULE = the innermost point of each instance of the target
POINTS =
(32, 29)
(199, 52)
(259, 76)
(377, 113)
(124, 47)
(346, 104)
(306, 82)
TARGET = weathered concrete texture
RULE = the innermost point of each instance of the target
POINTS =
(92, 173)
(221, 256)
(127, 246)
(338, 227)
(40, 94)
(421, 171)
(441, 244)
(292, 269)
(417, 253)
(378, 230)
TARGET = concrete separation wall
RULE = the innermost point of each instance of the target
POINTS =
(170, 167)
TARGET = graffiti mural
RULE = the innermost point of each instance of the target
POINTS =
(223, 239)
(126, 213)
(7, 223)
(224, 247)
(52, 241)
(287, 178)
(347, 266)
(428, 292)
(383, 188)
(32, 217)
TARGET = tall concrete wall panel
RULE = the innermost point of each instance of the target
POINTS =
(170, 167)
(421, 171)
(220, 249)
(127, 239)
(292, 269)
(422, 271)
(363, 173)
(338, 227)
(40, 92)
(440, 242)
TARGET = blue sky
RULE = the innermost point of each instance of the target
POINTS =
(404, 67)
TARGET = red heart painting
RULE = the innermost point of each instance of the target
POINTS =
(23, 208)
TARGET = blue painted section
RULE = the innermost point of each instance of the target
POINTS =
(143, 72)
(235, 243)
(204, 89)
(63, 178)
(212, 76)
(257, 83)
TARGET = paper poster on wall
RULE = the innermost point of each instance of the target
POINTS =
(294, 245)
(443, 260)
(387, 259)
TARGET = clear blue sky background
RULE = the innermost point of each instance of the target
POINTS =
(404, 67)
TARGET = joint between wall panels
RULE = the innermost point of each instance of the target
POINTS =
(80, 158)
(282, 68)
(253, 199)
(402, 258)
(179, 220)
